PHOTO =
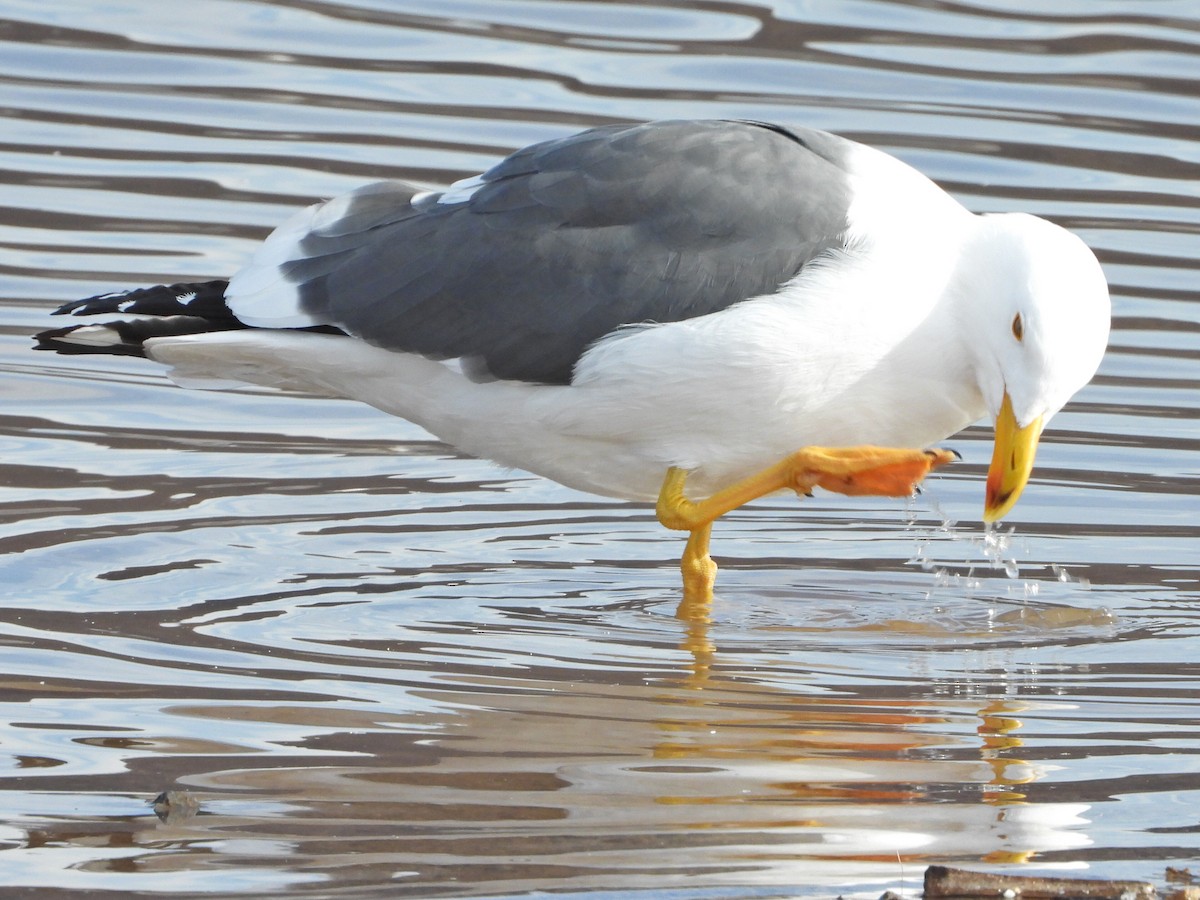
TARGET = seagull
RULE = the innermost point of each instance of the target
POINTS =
(696, 312)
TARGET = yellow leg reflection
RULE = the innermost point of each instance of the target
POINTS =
(997, 730)
(879, 471)
(696, 616)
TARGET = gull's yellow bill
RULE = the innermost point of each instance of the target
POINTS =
(1012, 461)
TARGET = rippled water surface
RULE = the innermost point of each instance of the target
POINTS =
(368, 666)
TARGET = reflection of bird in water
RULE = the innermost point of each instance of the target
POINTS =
(638, 307)
(580, 777)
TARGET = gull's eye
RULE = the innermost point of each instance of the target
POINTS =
(1018, 327)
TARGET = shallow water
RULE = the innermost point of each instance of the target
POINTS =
(370, 666)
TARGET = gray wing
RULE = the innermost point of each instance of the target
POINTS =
(567, 240)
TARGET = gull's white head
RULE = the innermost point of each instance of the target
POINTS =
(1037, 312)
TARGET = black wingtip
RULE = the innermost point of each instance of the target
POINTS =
(202, 299)
(46, 340)
(116, 343)
(124, 337)
(69, 308)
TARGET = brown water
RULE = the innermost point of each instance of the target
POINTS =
(374, 668)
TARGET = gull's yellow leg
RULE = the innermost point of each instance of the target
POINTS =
(879, 471)
(699, 570)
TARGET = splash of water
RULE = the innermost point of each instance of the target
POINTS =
(997, 548)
